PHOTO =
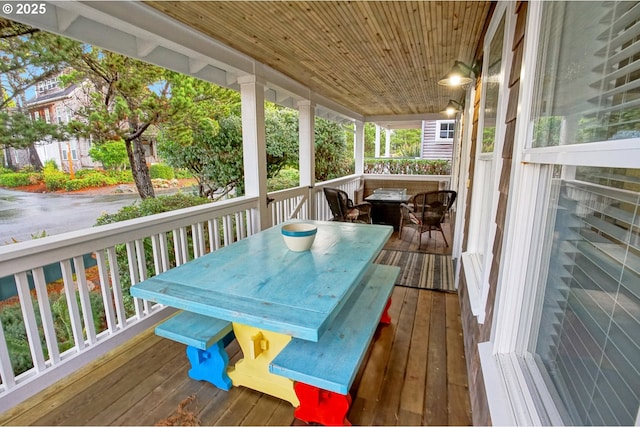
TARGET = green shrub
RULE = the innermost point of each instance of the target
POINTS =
(28, 169)
(55, 180)
(120, 176)
(161, 171)
(286, 178)
(92, 179)
(407, 166)
(182, 174)
(152, 205)
(14, 179)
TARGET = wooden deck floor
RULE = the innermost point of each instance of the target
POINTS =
(414, 374)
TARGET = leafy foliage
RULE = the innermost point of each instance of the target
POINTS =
(213, 156)
(161, 171)
(54, 179)
(17, 130)
(15, 179)
(286, 178)
(152, 206)
(406, 142)
(407, 166)
(112, 154)
(332, 157)
(281, 133)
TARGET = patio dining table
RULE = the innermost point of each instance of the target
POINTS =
(271, 294)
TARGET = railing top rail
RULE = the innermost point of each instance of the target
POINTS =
(393, 177)
(36, 253)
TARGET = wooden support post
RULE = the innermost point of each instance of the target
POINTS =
(386, 318)
(322, 406)
(210, 365)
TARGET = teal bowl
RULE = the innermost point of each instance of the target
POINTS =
(299, 236)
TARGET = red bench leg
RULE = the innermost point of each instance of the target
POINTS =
(386, 319)
(321, 406)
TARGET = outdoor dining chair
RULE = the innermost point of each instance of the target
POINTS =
(426, 212)
(343, 209)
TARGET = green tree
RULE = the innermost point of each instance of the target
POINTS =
(17, 130)
(406, 142)
(124, 98)
(205, 135)
(112, 154)
(29, 56)
(370, 140)
(281, 133)
(333, 159)
(214, 156)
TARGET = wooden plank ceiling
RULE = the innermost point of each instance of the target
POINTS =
(377, 58)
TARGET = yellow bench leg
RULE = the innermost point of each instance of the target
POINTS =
(259, 347)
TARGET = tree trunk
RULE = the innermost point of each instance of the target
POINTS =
(8, 159)
(139, 169)
(34, 158)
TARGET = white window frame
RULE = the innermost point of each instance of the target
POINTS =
(48, 84)
(476, 261)
(507, 368)
(439, 124)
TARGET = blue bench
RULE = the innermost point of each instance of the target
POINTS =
(205, 338)
(324, 371)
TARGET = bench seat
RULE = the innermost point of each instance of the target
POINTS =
(331, 364)
(205, 338)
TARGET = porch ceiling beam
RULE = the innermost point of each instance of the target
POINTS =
(65, 19)
(145, 47)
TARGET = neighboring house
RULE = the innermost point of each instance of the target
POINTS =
(55, 104)
(437, 139)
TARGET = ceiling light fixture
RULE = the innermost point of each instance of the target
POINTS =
(459, 75)
(452, 107)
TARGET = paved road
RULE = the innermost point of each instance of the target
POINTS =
(25, 214)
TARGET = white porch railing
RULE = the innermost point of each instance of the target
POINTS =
(308, 203)
(125, 253)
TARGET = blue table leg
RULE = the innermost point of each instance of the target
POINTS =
(210, 365)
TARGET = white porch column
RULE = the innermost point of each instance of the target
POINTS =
(306, 137)
(377, 154)
(387, 147)
(307, 151)
(254, 147)
(358, 147)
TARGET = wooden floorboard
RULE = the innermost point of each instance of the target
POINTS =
(413, 374)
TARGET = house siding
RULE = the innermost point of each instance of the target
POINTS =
(432, 148)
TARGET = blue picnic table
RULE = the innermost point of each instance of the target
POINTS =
(272, 294)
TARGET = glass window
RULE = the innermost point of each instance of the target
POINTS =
(589, 81)
(476, 260)
(586, 333)
(588, 339)
(492, 82)
(446, 129)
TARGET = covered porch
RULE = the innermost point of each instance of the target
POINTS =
(414, 374)
(544, 233)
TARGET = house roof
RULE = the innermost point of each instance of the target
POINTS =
(51, 96)
(377, 58)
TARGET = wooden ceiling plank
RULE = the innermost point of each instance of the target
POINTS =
(374, 57)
